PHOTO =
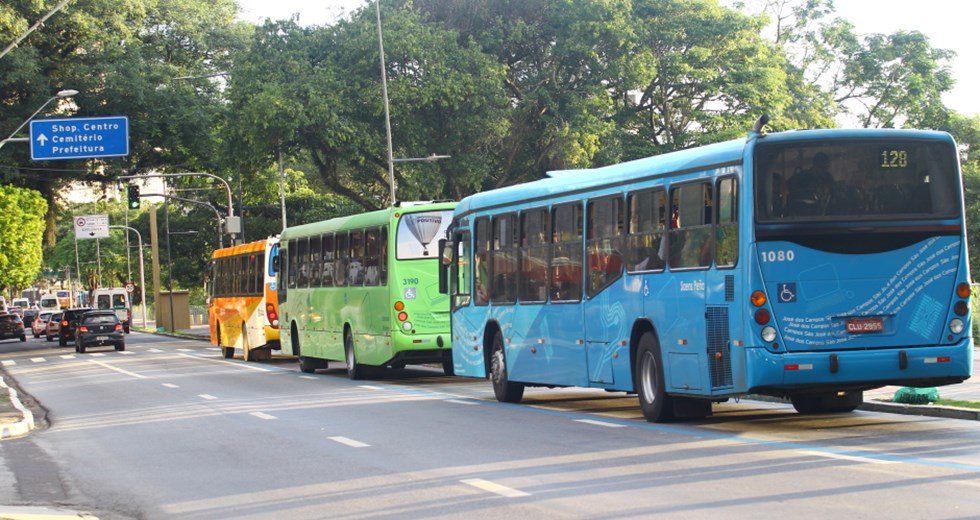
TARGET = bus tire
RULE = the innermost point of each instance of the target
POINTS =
(447, 364)
(504, 390)
(827, 402)
(228, 352)
(354, 371)
(247, 353)
(309, 365)
(648, 379)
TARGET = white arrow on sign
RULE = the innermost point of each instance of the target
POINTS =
(41, 139)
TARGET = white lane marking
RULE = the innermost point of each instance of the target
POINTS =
(371, 387)
(126, 352)
(38, 359)
(97, 354)
(185, 350)
(213, 348)
(237, 364)
(262, 415)
(460, 401)
(309, 377)
(171, 385)
(9, 362)
(350, 442)
(121, 371)
(600, 423)
(207, 397)
(154, 350)
(67, 356)
(486, 485)
(854, 458)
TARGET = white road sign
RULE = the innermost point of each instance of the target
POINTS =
(91, 226)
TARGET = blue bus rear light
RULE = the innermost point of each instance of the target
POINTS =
(961, 308)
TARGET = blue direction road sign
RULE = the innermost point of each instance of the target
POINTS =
(79, 138)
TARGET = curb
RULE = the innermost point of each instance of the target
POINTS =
(21, 427)
(947, 412)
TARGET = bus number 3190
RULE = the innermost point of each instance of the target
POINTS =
(778, 256)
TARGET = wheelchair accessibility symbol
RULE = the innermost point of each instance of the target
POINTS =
(787, 292)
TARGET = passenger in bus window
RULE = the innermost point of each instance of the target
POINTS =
(810, 189)
(778, 196)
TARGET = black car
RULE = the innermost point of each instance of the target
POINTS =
(99, 328)
(11, 326)
(69, 320)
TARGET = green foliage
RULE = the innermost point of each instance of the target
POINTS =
(21, 229)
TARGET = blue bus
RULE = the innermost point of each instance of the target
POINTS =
(807, 265)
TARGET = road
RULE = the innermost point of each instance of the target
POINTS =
(170, 429)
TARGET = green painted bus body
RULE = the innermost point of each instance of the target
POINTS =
(315, 318)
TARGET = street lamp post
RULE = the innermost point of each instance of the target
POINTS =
(139, 241)
(170, 264)
(61, 94)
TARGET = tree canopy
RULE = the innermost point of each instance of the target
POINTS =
(508, 88)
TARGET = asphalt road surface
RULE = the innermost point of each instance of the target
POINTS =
(170, 429)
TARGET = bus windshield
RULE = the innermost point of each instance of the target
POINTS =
(417, 233)
(848, 180)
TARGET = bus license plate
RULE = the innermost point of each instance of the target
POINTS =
(862, 325)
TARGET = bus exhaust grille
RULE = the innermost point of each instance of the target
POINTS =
(729, 288)
(719, 352)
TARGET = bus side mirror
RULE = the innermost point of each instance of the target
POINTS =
(446, 260)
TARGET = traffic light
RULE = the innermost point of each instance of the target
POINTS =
(134, 196)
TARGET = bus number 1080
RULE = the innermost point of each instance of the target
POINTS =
(778, 256)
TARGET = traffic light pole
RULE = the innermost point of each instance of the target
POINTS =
(232, 223)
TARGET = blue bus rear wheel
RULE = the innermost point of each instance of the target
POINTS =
(649, 381)
(504, 390)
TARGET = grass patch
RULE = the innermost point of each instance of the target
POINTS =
(973, 405)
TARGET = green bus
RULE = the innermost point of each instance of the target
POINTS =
(364, 289)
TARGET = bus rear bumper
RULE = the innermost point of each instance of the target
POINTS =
(783, 374)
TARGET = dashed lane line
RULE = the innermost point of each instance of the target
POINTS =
(262, 415)
(493, 487)
(117, 369)
(232, 363)
(600, 423)
(349, 442)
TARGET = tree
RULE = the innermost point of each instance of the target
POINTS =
(20, 236)
(880, 80)
(123, 57)
(317, 92)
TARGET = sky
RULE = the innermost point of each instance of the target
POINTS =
(949, 24)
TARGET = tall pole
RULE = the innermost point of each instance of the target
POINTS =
(384, 94)
(139, 240)
(282, 184)
(170, 263)
(155, 262)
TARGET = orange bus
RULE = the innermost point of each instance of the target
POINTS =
(242, 309)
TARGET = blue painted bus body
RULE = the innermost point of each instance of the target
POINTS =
(818, 299)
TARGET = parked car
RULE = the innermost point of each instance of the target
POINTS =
(99, 328)
(69, 321)
(53, 327)
(40, 324)
(11, 326)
